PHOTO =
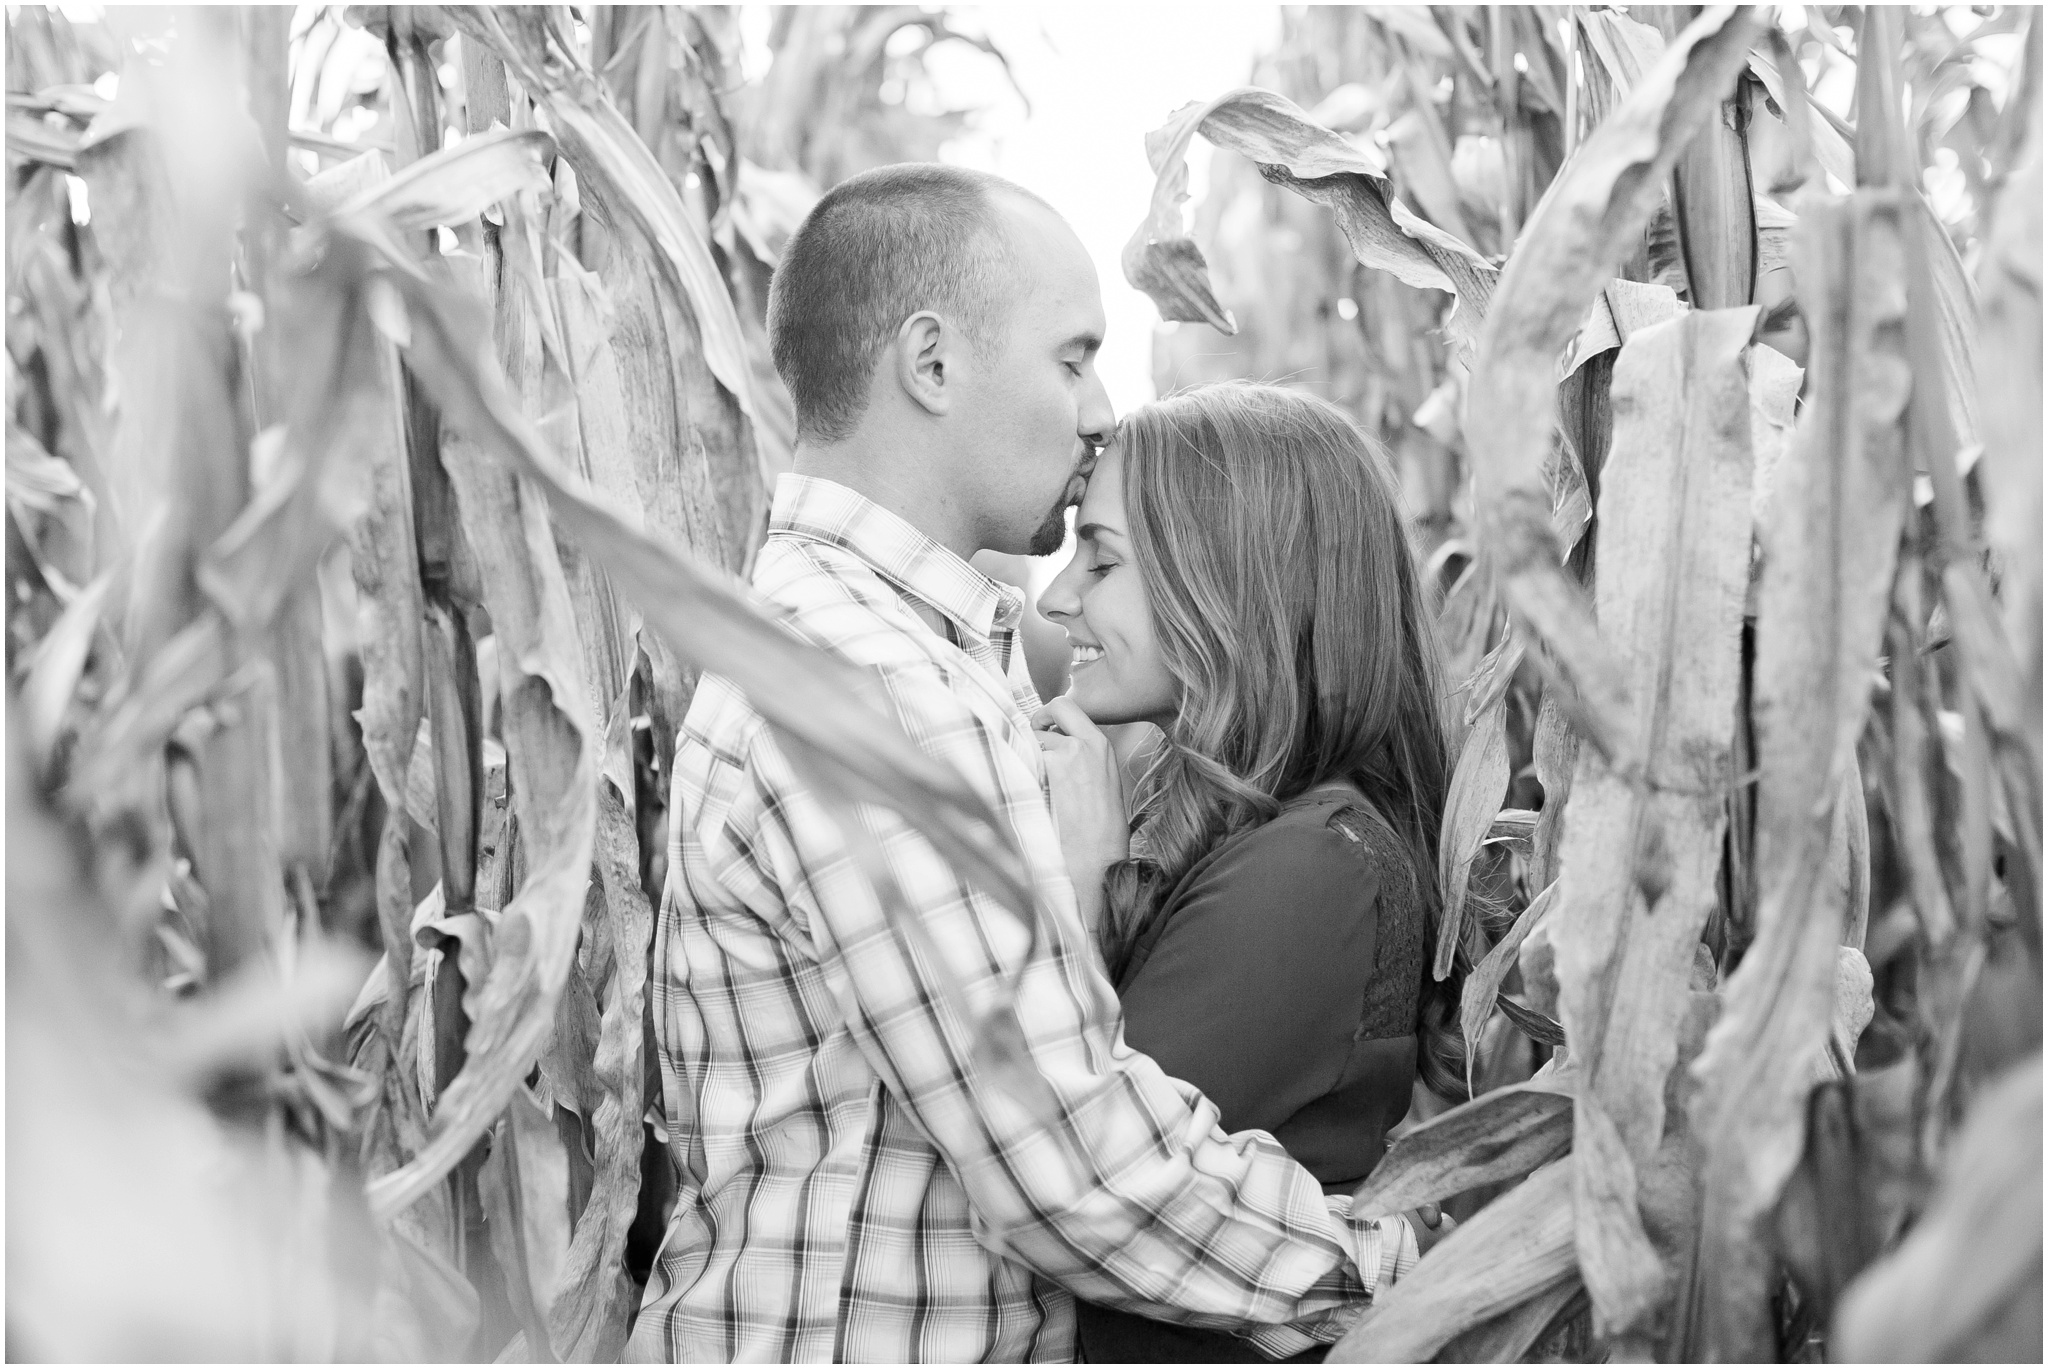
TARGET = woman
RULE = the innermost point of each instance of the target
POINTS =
(1242, 580)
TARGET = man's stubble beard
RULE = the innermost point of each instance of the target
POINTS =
(1052, 533)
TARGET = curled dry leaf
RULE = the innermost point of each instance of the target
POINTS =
(1294, 151)
(1621, 307)
(1829, 551)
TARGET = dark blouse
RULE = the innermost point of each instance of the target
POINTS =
(1281, 976)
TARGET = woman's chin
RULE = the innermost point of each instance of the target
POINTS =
(1103, 708)
(1091, 700)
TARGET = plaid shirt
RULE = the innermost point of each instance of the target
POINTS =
(846, 1177)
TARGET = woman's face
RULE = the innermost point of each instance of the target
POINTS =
(1119, 675)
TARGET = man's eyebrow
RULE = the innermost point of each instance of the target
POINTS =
(1089, 343)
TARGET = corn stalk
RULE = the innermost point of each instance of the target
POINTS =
(381, 455)
(1692, 461)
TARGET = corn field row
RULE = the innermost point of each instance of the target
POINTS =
(391, 420)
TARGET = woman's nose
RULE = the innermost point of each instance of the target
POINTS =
(1060, 600)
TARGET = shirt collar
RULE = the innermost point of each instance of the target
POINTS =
(823, 510)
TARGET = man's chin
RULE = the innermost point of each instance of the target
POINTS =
(1051, 534)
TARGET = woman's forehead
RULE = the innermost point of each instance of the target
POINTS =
(1103, 504)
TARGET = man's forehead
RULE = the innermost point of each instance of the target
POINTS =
(1045, 239)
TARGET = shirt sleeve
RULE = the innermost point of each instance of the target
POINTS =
(1080, 1157)
(1255, 986)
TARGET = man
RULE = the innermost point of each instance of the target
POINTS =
(847, 1175)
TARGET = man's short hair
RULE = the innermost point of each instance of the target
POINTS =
(877, 248)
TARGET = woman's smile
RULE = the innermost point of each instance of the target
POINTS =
(1100, 593)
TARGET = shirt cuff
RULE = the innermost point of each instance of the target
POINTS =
(1398, 1251)
(1383, 1248)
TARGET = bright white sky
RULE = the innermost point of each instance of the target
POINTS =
(1099, 77)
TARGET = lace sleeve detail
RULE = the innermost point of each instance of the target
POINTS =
(1393, 996)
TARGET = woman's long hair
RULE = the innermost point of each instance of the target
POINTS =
(1286, 602)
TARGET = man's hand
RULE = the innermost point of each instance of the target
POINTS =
(1087, 799)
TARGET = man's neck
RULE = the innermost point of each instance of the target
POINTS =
(890, 481)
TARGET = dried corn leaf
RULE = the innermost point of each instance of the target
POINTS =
(616, 172)
(1623, 1272)
(1624, 48)
(1517, 1246)
(1509, 1338)
(1589, 220)
(1914, 695)
(345, 181)
(1774, 384)
(1714, 214)
(1830, 148)
(1639, 859)
(2009, 370)
(552, 753)
(1621, 307)
(1293, 151)
(1555, 754)
(588, 1322)
(1956, 316)
(52, 671)
(37, 140)
(672, 444)
(457, 184)
(1829, 550)
(1421, 150)
(1496, 1137)
(385, 565)
(1966, 1284)
(524, 1184)
(1477, 784)
(336, 406)
(1482, 985)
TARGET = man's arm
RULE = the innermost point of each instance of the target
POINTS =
(1123, 1189)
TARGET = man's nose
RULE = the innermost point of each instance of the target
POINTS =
(1097, 417)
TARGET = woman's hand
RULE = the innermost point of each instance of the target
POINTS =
(1087, 799)
(1431, 1225)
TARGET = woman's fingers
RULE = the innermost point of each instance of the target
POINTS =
(1431, 1224)
(1069, 718)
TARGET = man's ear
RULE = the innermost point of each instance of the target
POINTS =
(923, 359)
